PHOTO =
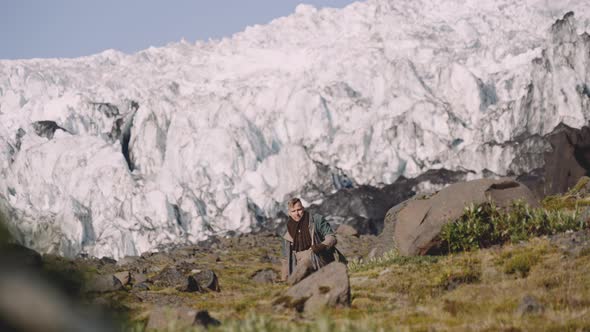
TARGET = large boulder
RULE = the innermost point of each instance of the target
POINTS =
(328, 287)
(418, 222)
(363, 207)
(565, 162)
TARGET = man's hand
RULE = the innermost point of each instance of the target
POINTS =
(319, 247)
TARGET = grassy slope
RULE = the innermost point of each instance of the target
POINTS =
(479, 290)
(470, 291)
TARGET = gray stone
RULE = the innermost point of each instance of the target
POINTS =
(574, 244)
(103, 284)
(347, 230)
(107, 261)
(141, 286)
(193, 285)
(207, 279)
(158, 258)
(137, 278)
(171, 319)
(327, 287)
(170, 277)
(124, 277)
(127, 260)
(266, 276)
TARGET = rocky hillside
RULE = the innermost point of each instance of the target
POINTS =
(231, 284)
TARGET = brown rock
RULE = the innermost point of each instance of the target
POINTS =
(169, 319)
(420, 221)
(568, 159)
(207, 279)
(328, 287)
(266, 276)
(128, 260)
(103, 284)
(170, 277)
(193, 285)
(347, 230)
(124, 277)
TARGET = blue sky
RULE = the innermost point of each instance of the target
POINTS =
(72, 28)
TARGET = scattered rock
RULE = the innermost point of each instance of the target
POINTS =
(266, 276)
(328, 287)
(170, 277)
(207, 279)
(124, 277)
(103, 284)
(529, 305)
(574, 244)
(137, 278)
(193, 285)
(141, 286)
(128, 260)
(347, 230)
(204, 319)
(158, 258)
(107, 261)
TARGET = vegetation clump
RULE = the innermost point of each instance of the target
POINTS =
(485, 225)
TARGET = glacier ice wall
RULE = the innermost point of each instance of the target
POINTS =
(116, 154)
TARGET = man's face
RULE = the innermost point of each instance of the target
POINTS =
(296, 212)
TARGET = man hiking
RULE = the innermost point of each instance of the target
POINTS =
(308, 243)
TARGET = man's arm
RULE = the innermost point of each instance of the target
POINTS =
(327, 233)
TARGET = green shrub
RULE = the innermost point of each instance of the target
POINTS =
(484, 225)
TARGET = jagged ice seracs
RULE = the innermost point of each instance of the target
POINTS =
(117, 154)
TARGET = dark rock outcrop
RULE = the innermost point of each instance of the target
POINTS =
(46, 128)
(569, 159)
(205, 320)
(364, 207)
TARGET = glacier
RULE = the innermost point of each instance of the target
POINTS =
(116, 154)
